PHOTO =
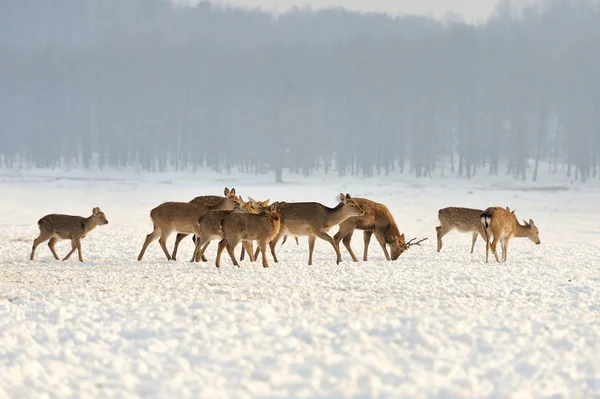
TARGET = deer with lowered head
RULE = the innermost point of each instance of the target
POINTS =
(463, 220)
(180, 217)
(227, 202)
(503, 225)
(248, 227)
(56, 227)
(313, 220)
(378, 220)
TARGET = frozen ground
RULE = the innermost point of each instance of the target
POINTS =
(426, 326)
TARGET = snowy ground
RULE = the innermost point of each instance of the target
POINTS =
(426, 326)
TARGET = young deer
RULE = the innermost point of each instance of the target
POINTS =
(215, 202)
(253, 206)
(503, 225)
(314, 220)
(181, 217)
(56, 227)
(209, 229)
(248, 227)
(465, 220)
(377, 220)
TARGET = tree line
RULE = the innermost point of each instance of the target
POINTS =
(150, 84)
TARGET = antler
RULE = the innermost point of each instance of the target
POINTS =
(411, 242)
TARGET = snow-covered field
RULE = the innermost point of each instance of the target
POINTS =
(428, 325)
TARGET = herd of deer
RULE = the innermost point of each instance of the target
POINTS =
(231, 220)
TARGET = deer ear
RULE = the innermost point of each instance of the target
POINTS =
(266, 202)
(531, 223)
(402, 236)
(95, 210)
(348, 196)
(525, 222)
(342, 197)
(226, 191)
(233, 191)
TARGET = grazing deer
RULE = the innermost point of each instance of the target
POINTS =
(181, 217)
(248, 227)
(56, 227)
(377, 220)
(209, 229)
(465, 220)
(314, 220)
(215, 202)
(503, 225)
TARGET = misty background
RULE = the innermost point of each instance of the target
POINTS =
(158, 86)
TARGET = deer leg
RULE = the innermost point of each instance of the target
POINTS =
(41, 238)
(381, 239)
(73, 248)
(243, 253)
(475, 234)
(249, 249)
(201, 256)
(441, 232)
(296, 237)
(494, 244)
(346, 242)
(367, 240)
(263, 250)
(163, 243)
(230, 247)
(149, 238)
(311, 248)
(51, 245)
(78, 245)
(284, 240)
(504, 249)
(324, 236)
(272, 247)
(180, 236)
(220, 249)
(196, 255)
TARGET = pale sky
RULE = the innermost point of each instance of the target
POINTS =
(470, 10)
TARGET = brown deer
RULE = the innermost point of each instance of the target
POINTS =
(313, 220)
(377, 220)
(503, 225)
(181, 217)
(253, 206)
(209, 229)
(248, 227)
(464, 220)
(215, 202)
(56, 227)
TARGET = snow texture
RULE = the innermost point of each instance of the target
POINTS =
(428, 325)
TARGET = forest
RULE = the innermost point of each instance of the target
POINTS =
(161, 86)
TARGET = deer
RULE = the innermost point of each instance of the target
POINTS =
(248, 227)
(55, 227)
(377, 220)
(209, 229)
(216, 202)
(181, 217)
(503, 225)
(313, 220)
(464, 220)
(253, 206)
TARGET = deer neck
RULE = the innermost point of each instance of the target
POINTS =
(89, 224)
(522, 230)
(336, 215)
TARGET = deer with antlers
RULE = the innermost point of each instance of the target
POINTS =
(378, 220)
(503, 225)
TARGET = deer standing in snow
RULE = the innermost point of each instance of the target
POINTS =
(464, 220)
(377, 220)
(56, 227)
(503, 225)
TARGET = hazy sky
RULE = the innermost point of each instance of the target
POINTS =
(470, 10)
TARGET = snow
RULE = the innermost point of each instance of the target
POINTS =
(426, 326)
